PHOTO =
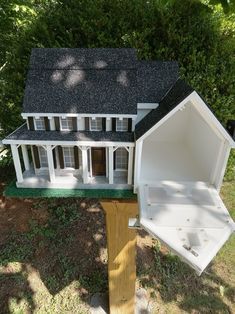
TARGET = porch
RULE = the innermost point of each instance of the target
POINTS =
(73, 166)
(71, 180)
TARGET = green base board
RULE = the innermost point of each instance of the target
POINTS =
(12, 191)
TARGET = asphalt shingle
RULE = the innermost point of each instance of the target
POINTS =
(96, 80)
(154, 79)
(23, 133)
(82, 58)
(81, 91)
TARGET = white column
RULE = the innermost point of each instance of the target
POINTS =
(25, 157)
(50, 163)
(106, 162)
(16, 160)
(130, 165)
(90, 157)
(84, 165)
(111, 165)
(138, 157)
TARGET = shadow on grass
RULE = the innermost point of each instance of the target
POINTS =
(15, 288)
(67, 246)
(176, 282)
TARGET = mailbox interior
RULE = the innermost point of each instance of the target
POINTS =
(183, 148)
(182, 166)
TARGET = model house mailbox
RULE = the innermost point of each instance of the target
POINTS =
(179, 168)
(100, 118)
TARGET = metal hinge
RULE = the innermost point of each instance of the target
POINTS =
(134, 223)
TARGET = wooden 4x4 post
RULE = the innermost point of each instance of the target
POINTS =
(121, 255)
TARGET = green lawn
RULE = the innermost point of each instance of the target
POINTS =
(53, 257)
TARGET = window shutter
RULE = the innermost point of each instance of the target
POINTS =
(47, 124)
(87, 128)
(114, 160)
(61, 157)
(74, 119)
(31, 124)
(57, 123)
(103, 124)
(114, 124)
(76, 157)
(54, 157)
(129, 125)
(36, 157)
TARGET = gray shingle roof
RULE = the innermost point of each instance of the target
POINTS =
(175, 95)
(81, 91)
(23, 134)
(155, 78)
(96, 80)
(83, 58)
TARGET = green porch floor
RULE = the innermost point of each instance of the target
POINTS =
(12, 191)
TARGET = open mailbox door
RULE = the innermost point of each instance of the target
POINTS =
(189, 217)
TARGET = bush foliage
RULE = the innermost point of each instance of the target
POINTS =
(198, 34)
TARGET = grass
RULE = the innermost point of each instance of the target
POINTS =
(55, 265)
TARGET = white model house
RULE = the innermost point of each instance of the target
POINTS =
(99, 118)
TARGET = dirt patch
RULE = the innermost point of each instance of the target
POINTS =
(16, 215)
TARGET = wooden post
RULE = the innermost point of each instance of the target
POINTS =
(121, 255)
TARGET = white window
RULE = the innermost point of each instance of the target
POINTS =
(121, 158)
(96, 124)
(69, 157)
(122, 125)
(66, 124)
(39, 124)
(43, 157)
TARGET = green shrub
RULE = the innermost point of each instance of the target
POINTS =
(198, 34)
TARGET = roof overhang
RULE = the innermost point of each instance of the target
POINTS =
(23, 136)
(69, 143)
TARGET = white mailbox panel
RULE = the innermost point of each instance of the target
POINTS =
(189, 217)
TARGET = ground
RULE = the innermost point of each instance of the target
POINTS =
(53, 257)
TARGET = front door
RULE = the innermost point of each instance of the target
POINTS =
(98, 161)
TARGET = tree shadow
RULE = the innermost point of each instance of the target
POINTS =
(15, 288)
(68, 246)
(176, 282)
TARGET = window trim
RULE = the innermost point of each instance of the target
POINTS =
(40, 148)
(101, 124)
(121, 169)
(35, 123)
(67, 121)
(71, 156)
(121, 120)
